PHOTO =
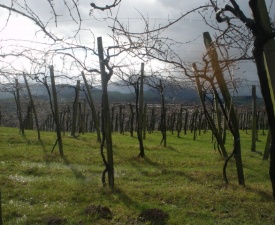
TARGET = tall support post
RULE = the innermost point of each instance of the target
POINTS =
(266, 74)
(163, 115)
(92, 106)
(107, 132)
(144, 120)
(32, 106)
(254, 120)
(56, 113)
(269, 48)
(140, 113)
(83, 117)
(215, 131)
(179, 122)
(267, 146)
(18, 105)
(75, 109)
(131, 119)
(218, 115)
(232, 120)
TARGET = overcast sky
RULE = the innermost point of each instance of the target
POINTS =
(129, 12)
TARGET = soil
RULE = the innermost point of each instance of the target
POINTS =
(102, 212)
(154, 216)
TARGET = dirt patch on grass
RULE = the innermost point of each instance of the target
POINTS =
(98, 211)
(154, 216)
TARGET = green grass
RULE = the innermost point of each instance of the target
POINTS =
(184, 179)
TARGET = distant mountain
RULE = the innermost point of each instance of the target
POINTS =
(247, 100)
(172, 94)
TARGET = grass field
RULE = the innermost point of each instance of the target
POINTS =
(184, 180)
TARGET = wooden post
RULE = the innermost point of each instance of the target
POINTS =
(68, 118)
(106, 114)
(131, 119)
(210, 119)
(218, 115)
(254, 120)
(186, 117)
(144, 120)
(112, 118)
(224, 130)
(194, 123)
(92, 106)
(79, 117)
(75, 108)
(179, 122)
(83, 121)
(264, 53)
(56, 113)
(19, 111)
(267, 146)
(140, 113)
(172, 122)
(232, 121)
(269, 49)
(121, 119)
(33, 106)
(163, 115)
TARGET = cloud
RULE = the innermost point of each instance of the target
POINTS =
(129, 12)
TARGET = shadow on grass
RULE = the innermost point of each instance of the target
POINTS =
(152, 163)
(46, 158)
(138, 162)
(41, 143)
(263, 194)
(172, 148)
(125, 199)
(78, 174)
(258, 152)
(164, 170)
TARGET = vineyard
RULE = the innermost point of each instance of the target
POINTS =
(180, 118)
(76, 75)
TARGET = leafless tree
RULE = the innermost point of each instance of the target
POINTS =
(262, 34)
(152, 45)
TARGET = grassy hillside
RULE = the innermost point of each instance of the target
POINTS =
(183, 180)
